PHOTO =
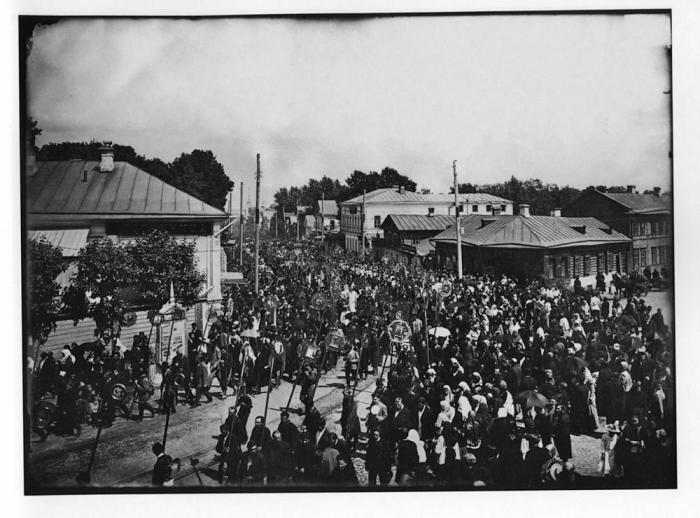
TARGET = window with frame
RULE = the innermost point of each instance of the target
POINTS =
(662, 255)
(431, 211)
(654, 255)
(642, 257)
(377, 221)
(635, 257)
(488, 208)
(475, 208)
(503, 207)
(561, 266)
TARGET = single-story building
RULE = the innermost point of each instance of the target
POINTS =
(551, 247)
(70, 202)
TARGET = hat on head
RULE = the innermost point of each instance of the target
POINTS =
(464, 386)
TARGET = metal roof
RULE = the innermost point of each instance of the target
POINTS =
(531, 232)
(643, 203)
(328, 207)
(415, 222)
(58, 188)
(392, 195)
(68, 240)
(421, 248)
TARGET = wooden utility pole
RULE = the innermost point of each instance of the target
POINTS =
(230, 206)
(296, 210)
(257, 224)
(459, 233)
(240, 232)
(362, 224)
(323, 202)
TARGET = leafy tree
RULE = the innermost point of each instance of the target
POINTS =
(309, 195)
(105, 277)
(33, 131)
(200, 174)
(157, 259)
(111, 277)
(359, 181)
(45, 265)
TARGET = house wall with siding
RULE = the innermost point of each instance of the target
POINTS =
(67, 333)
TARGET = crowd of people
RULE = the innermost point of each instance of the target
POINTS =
(486, 388)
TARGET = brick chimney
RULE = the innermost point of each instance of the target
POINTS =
(524, 210)
(631, 188)
(556, 212)
(657, 191)
(401, 189)
(106, 158)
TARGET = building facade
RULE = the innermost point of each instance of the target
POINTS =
(406, 237)
(71, 202)
(646, 218)
(327, 216)
(364, 215)
(550, 247)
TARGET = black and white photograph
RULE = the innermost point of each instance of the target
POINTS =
(348, 252)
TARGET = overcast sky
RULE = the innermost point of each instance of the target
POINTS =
(575, 100)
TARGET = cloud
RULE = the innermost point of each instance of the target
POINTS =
(570, 99)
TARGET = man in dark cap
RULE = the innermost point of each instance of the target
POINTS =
(163, 468)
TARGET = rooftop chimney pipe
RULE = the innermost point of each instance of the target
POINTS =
(657, 191)
(556, 212)
(106, 158)
(524, 210)
(630, 188)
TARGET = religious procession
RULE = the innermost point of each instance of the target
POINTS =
(478, 382)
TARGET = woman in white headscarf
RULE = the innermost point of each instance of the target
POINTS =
(422, 467)
(446, 415)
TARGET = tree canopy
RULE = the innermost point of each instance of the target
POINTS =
(310, 193)
(158, 259)
(198, 173)
(111, 278)
(102, 283)
(542, 197)
(45, 265)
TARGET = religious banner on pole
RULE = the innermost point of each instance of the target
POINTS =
(174, 342)
(399, 330)
(335, 340)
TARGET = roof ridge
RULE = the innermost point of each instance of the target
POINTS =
(524, 221)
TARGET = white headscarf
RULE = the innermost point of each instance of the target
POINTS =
(415, 439)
